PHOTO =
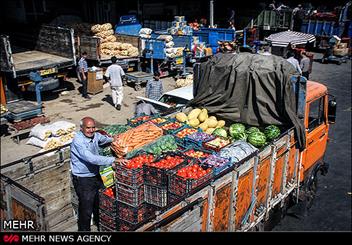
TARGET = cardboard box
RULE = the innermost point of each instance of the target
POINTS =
(95, 81)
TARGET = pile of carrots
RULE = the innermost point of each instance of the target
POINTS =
(136, 138)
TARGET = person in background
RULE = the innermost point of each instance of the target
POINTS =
(114, 75)
(154, 88)
(305, 65)
(232, 26)
(85, 164)
(291, 59)
(83, 74)
(143, 108)
(298, 14)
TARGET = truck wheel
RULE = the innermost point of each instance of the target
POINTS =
(311, 190)
(47, 85)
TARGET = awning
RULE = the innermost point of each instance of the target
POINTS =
(283, 39)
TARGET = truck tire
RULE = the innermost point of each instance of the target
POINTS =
(47, 85)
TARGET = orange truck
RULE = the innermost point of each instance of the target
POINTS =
(246, 197)
(241, 198)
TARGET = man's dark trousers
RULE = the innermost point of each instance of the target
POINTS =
(85, 86)
(87, 189)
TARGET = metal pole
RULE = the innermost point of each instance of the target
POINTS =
(211, 13)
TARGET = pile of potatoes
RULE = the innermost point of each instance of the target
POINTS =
(199, 118)
(109, 46)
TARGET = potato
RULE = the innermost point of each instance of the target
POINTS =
(212, 123)
(194, 114)
(203, 116)
(203, 126)
(181, 117)
(221, 123)
(194, 122)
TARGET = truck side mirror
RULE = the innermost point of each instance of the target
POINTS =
(332, 110)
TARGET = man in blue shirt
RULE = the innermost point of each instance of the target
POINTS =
(83, 74)
(154, 88)
(85, 163)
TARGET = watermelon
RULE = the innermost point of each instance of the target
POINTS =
(220, 132)
(241, 136)
(257, 139)
(251, 130)
(271, 132)
(236, 129)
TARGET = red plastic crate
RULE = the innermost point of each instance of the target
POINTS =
(108, 221)
(156, 195)
(107, 203)
(131, 177)
(134, 215)
(158, 176)
(133, 196)
(180, 186)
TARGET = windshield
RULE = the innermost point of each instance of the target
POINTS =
(172, 100)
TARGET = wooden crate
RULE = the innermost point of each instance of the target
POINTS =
(95, 82)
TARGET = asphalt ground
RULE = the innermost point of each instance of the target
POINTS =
(331, 210)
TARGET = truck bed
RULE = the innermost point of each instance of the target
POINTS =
(31, 60)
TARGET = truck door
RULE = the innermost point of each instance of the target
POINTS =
(317, 131)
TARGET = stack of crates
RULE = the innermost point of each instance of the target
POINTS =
(108, 218)
(156, 182)
(131, 207)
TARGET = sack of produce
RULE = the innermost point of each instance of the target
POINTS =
(170, 44)
(51, 143)
(167, 38)
(145, 31)
(42, 132)
(62, 127)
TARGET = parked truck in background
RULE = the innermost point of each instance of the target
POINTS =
(53, 53)
(92, 45)
(241, 198)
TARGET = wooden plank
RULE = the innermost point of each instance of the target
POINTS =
(59, 216)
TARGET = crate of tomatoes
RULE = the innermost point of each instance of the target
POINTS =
(107, 200)
(131, 174)
(172, 127)
(133, 196)
(134, 215)
(108, 221)
(187, 178)
(156, 173)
